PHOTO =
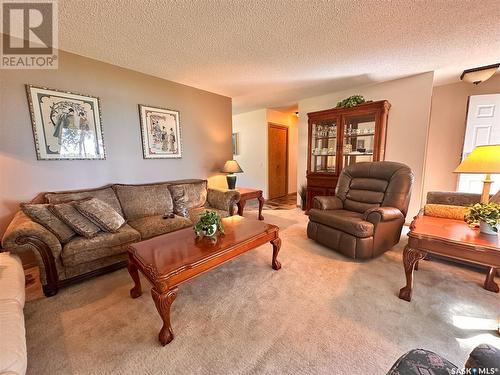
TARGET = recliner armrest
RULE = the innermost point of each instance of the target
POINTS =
(328, 203)
(378, 214)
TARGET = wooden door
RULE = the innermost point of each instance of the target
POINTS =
(483, 128)
(277, 160)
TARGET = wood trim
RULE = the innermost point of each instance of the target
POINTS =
(278, 126)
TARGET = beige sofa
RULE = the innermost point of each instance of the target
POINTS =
(143, 206)
(12, 332)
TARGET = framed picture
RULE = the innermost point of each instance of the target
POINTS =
(66, 126)
(235, 144)
(160, 132)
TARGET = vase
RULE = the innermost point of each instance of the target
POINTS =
(210, 231)
(486, 228)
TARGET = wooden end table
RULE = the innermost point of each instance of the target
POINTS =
(246, 194)
(452, 239)
(173, 258)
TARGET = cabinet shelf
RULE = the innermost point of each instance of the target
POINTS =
(359, 135)
(324, 155)
(316, 138)
(358, 154)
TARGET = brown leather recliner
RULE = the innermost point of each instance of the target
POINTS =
(366, 215)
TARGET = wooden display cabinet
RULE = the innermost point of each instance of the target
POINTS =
(339, 137)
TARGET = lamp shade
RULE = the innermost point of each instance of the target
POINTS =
(232, 166)
(483, 159)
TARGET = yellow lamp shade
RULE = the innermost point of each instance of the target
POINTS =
(231, 166)
(483, 159)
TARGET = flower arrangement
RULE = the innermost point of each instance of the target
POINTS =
(351, 101)
(208, 224)
(488, 213)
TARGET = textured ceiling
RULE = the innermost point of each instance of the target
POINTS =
(272, 53)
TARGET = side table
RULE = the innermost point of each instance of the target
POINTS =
(246, 194)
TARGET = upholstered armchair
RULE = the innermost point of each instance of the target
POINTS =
(366, 215)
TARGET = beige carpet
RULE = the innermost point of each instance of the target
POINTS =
(320, 314)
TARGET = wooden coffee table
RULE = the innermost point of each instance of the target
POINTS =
(171, 259)
(452, 239)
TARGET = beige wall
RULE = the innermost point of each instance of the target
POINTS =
(252, 157)
(205, 125)
(253, 154)
(447, 130)
(407, 128)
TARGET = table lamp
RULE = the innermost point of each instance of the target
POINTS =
(231, 167)
(483, 160)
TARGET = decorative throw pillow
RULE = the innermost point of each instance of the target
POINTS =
(101, 213)
(445, 211)
(41, 214)
(74, 219)
(180, 200)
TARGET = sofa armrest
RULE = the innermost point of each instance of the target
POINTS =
(417, 360)
(328, 203)
(23, 234)
(223, 199)
(378, 214)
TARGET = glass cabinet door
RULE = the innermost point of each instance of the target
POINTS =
(358, 139)
(324, 146)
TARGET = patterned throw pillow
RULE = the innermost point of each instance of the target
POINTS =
(74, 219)
(179, 197)
(101, 213)
(41, 214)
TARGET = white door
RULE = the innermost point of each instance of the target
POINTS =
(483, 128)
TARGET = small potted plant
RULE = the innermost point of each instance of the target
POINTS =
(487, 215)
(303, 197)
(209, 224)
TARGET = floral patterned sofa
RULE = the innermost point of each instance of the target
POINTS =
(484, 359)
(143, 207)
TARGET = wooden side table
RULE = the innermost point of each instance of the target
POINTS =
(453, 239)
(246, 194)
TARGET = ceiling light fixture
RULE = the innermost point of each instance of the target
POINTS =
(478, 75)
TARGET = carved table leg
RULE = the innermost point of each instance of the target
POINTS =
(163, 301)
(241, 206)
(261, 204)
(410, 257)
(276, 249)
(136, 291)
(489, 283)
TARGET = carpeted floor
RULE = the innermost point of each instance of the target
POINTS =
(320, 314)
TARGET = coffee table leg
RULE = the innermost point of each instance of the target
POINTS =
(489, 283)
(410, 257)
(136, 291)
(261, 204)
(276, 249)
(163, 301)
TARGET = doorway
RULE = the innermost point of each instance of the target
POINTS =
(483, 128)
(277, 146)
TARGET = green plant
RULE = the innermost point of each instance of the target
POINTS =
(487, 212)
(351, 101)
(303, 195)
(206, 221)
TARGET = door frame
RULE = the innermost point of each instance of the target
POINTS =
(278, 126)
